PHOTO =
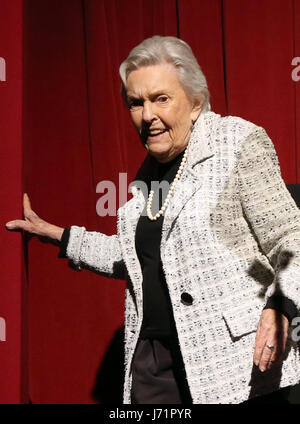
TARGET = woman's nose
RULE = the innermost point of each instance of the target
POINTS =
(148, 113)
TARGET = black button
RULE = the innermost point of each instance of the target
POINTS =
(186, 299)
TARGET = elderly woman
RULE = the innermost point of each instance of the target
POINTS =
(212, 260)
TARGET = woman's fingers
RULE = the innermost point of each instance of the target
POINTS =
(17, 224)
(261, 355)
(27, 225)
(26, 203)
(270, 355)
(28, 212)
(31, 223)
(267, 355)
(279, 344)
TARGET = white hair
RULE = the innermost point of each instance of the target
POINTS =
(157, 50)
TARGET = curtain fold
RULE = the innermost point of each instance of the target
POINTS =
(259, 50)
(201, 26)
(13, 286)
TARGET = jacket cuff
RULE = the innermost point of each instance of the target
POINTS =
(283, 305)
(64, 243)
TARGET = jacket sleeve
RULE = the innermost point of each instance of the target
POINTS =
(283, 305)
(271, 212)
(64, 243)
(93, 250)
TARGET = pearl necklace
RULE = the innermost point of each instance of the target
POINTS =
(170, 192)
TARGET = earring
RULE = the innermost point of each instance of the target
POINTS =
(192, 126)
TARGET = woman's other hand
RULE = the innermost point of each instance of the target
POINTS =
(34, 224)
(272, 331)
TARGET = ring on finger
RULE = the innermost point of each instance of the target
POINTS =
(271, 347)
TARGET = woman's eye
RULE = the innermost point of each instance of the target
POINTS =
(135, 103)
(162, 99)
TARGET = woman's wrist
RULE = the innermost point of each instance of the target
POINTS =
(53, 231)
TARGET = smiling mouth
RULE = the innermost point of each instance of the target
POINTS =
(148, 134)
(155, 134)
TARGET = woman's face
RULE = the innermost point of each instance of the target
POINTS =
(160, 110)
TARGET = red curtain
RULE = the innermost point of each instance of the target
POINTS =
(13, 290)
(246, 49)
(76, 132)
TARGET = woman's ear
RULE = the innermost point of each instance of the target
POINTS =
(196, 110)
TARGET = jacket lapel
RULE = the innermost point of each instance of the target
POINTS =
(199, 149)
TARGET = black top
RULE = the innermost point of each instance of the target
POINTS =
(158, 318)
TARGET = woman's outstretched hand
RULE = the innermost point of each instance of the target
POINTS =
(33, 224)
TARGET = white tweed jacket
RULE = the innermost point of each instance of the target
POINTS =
(230, 239)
